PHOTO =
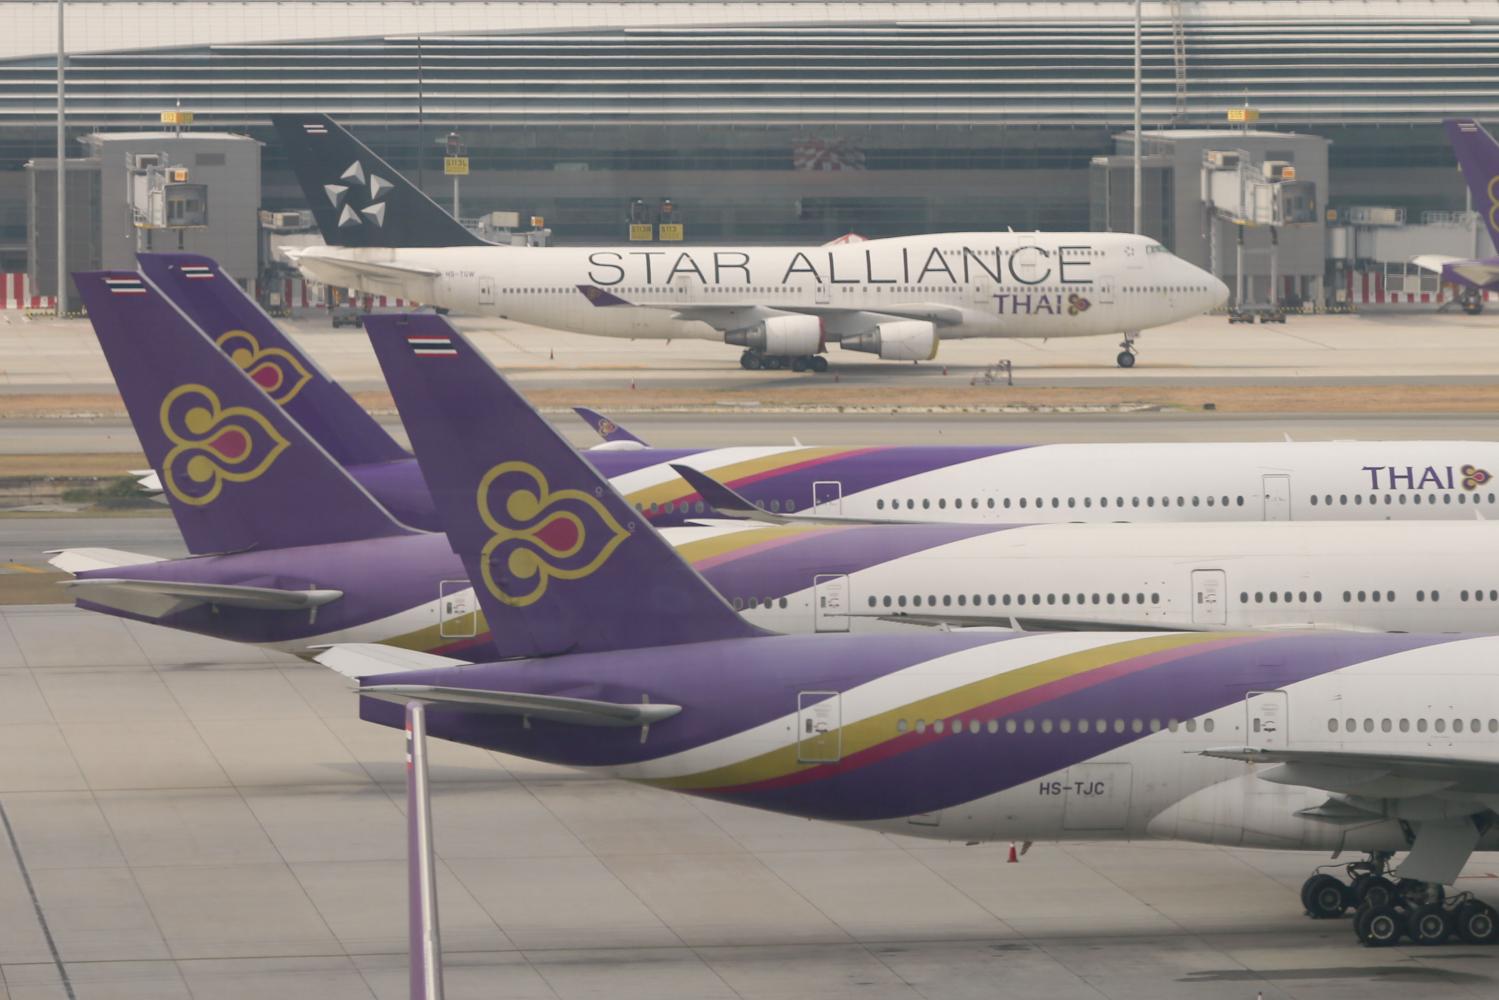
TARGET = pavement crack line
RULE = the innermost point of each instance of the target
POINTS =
(36, 904)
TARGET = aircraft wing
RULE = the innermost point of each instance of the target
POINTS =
(159, 598)
(1436, 794)
(725, 501)
(738, 315)
(577, 711)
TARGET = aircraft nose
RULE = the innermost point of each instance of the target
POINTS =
(1219, 291)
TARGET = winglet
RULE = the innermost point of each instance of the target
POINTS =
(723, 499)
(560, 562)
(600, 297)
(606, 428)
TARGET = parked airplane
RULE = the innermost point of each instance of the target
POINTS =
(620, 661)
(1478, 157)
(896, 298)
(1227, 481)
(261, 574)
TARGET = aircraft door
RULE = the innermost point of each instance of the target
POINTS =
(823, 295)
(1277, 497)
(1209, 597)
(827, 497)
(1097, 797)
(830, 602)
(458, 616)
(1268, 720)
(819, 722)
(486, 291)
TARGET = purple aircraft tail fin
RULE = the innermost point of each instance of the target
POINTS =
(606, 428)
(560, 562)
(219, 307)
(237, 471)
(1478, 155)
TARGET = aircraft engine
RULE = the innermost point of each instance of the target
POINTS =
(898, 340)
(781, 335)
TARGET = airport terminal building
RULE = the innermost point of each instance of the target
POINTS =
(765, 121)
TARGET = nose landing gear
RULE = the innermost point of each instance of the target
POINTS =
(1126, 358)
(1386, 910)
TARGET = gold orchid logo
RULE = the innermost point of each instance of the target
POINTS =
(540, 534)
(212, 444)
(274, 369)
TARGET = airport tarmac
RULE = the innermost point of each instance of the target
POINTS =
(188, 818)
(48, 355)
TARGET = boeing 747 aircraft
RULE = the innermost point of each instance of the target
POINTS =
(1143, 482)
(895, 298)
(618, 660)
(1478, 158)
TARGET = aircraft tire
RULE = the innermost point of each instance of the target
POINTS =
(1378, 926)
(1375, 890)
(1476, 923)
(1126, 359)
(818, 363)
(1429, 925)
(1324, 897)
(750, 361)
(773, 363)
(798, 364)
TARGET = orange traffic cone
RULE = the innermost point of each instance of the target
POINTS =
(1013, 858)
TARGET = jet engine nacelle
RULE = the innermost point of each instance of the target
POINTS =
(781, 335)
(898, 340)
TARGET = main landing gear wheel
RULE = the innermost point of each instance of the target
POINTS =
(1375, 890)
(1125, 359)
(1324, 897)
(1429, 925)
(818, 363)
(1378, 926)
(751, 361)
(1476, 923)
(1472, 303)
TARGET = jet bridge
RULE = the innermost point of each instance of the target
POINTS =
(1241, 193)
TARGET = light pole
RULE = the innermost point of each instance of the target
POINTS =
(62, 172)
(1139, 137)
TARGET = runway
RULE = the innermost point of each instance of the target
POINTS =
(196, 819)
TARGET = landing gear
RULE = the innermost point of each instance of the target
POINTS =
(1385, 910)
(1126, 358)
(754, 361)
(1472, 302)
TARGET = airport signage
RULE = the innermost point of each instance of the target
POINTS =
(671, 232)
(455, 166)
(640, 232)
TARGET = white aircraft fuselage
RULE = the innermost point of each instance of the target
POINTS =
(1024, 285)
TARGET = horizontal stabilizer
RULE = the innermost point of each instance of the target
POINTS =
(158, 598)
(368, 659)
(86, 559)
(577, 711)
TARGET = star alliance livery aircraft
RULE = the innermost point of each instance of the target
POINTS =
(617, 659)
(896, 298)
(1001, 484)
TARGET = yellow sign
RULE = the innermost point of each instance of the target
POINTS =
(640, 232)
(671, 231)
(176, 117)
(1245, 115)
(455, 166)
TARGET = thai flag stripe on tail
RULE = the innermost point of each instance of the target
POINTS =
(432, 347)
(314, 128)
(196, 271)
(125, 286)
(1467, 127)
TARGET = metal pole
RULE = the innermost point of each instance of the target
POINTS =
(425, 936)
(456, 213)
(62, 171)
(1139, 115)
